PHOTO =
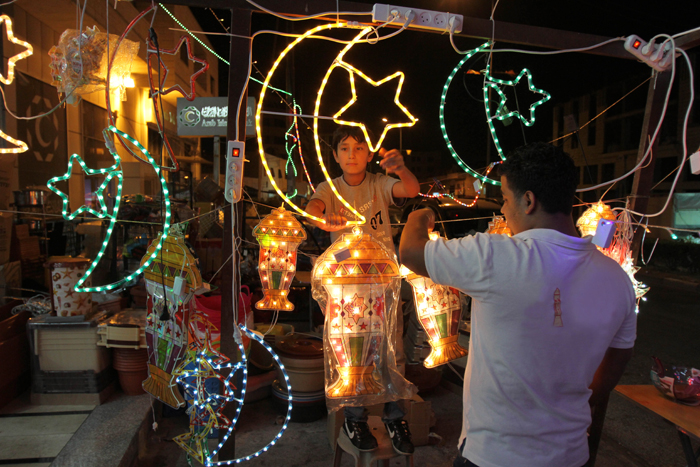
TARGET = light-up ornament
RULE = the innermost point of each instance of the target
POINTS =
(115, 210)
(352, 71)
(588, 222)
(501, 113)
(80, 64)
(499, 226)
(439, 310)
(157, 88)
(279, 234)
(443, 128)
(354, 282)
(167, 339)
(21, 146)
(29, 50)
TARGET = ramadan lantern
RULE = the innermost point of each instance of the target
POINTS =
(171, 280)
(588, 222)
(439, 310)
(499, 226)
(279, 234)
(356, 281)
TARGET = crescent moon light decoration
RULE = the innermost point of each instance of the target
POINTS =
(351, 71)
(116, 171)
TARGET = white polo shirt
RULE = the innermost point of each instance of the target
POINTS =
(545, 309)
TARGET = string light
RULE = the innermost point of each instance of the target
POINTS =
(501, 114)
(14, 59)
(443, 99)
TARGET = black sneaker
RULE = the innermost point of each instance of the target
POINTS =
(360, 435)
(400, 436)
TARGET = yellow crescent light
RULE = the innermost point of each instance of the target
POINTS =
(12, 60)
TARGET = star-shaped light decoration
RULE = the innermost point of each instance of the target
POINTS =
(29, 50)
(501, 111)
(111, 173)
(157, 89)
(352, 71)
(356, 308)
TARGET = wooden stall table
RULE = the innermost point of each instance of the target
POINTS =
(685, 418)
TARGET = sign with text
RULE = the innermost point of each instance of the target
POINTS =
(204, 116)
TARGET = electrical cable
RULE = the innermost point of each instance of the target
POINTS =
(302, 18)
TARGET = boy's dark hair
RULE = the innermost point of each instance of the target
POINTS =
(547, 171)
(345, 131)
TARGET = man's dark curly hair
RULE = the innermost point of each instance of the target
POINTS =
(545, 170)
(345, 131)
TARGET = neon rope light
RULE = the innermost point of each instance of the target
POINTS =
(21, 145)
(443, 99)
(14, 59)
(493, 83)
(242, 365)
(352, 71)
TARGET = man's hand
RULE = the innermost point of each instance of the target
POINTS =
(392, 160)
(334, 222)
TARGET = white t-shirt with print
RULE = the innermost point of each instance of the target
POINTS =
(545, 309)
(371, 198)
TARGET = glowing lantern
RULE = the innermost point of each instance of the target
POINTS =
(356, 282)
(588, 222)
(439, 311)
(279, 234)
(499, 226)
(171, 280)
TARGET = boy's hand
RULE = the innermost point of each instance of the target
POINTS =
(334, 222)
(392, 160)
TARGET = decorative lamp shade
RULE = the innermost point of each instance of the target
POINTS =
(279, 234)
(169, 313)
(439, 310)
(499, 226)
(588, 222)
(79, 63)
(353, 282)
(682, 384)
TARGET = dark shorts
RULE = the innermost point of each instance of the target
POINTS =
(463, 462)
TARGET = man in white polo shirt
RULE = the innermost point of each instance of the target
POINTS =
(553, 320)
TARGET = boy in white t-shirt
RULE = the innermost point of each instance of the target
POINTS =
(370, 194)
(553, 319)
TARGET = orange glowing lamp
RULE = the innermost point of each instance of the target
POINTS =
(588, 222)
(354, 282)
(439, 311)
(279, 235)
(499, 226)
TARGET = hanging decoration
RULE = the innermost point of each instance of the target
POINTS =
(588, 222)
(201, 363)
(279, 234)
(115, 171)
(499, 226)
(315, 33)
(171, 280)
(439, 310)
(29, 50)
(157, 84)
(80, 64)
(293, 140)
(356, 282)
(443, 127)
(501, 112)
(20, 146)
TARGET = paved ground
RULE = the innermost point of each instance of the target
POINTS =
(668, 327)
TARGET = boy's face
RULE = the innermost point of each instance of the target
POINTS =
(352, 156)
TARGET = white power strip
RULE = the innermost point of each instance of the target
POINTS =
(657, 56)
(235, 157)
(422, 19)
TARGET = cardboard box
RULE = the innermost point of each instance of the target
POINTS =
(419, 415)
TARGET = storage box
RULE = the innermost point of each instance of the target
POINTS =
(419, 415)
(125, 330)
(67, 344)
